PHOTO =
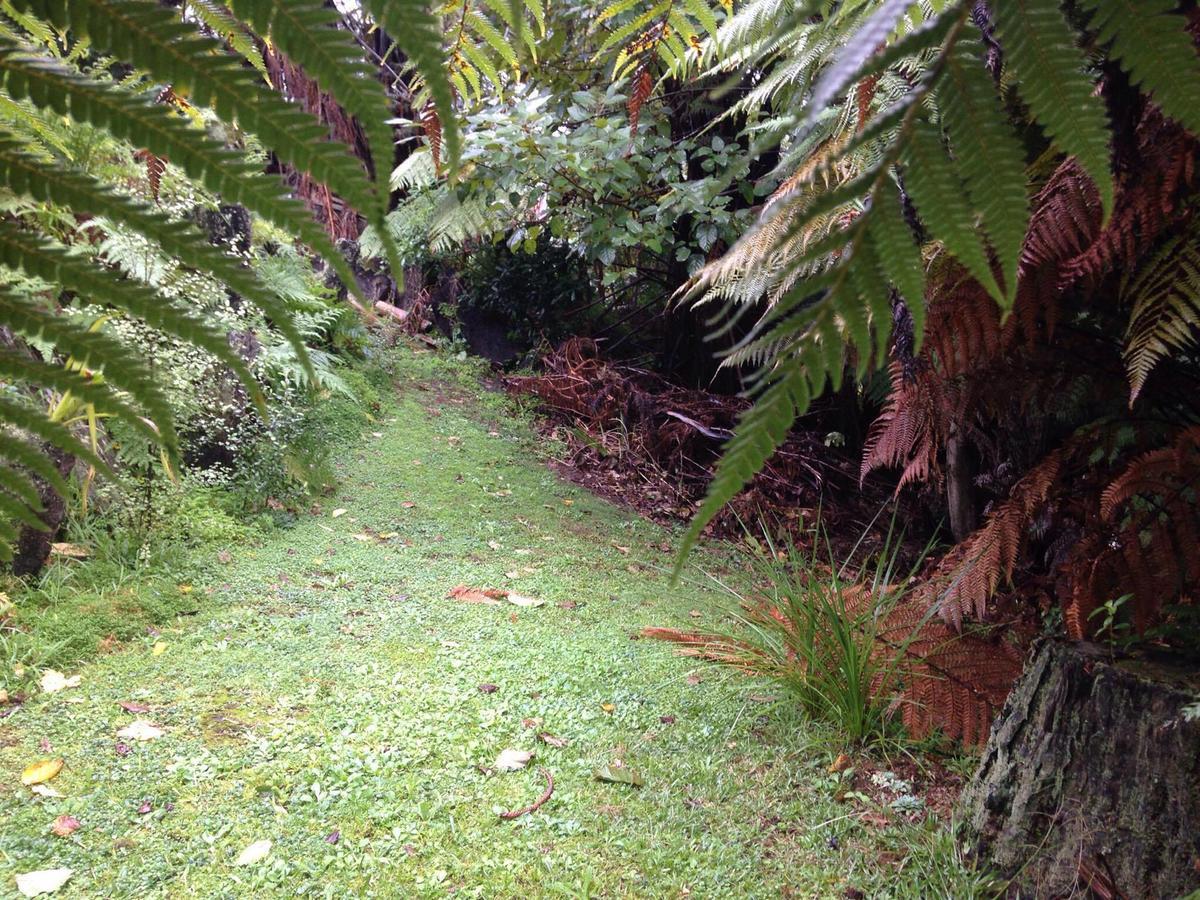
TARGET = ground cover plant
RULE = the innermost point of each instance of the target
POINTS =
(810, 268)
(327, 695)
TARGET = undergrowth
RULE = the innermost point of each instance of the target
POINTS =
(323, 692)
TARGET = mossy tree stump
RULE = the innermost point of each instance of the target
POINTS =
(1091, 779)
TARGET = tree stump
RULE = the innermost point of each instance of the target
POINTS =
(1091, 779)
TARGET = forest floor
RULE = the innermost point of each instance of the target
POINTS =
(328, 696)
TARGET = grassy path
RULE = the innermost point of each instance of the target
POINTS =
(327, 698)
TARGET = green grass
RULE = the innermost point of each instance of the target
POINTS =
(326, 684)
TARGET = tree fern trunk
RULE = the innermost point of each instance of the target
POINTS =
(1091, 779)
(959, 497)
(33, 546)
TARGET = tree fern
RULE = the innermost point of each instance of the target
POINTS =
(945, 138)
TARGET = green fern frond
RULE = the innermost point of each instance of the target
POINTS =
(988, 157)
(30, 458)
(34, 421)
(54, 183)
(152, 38)
(42, 258)
(759, 433)
(22, 488)
(940, 198)
(145, 124)
(1149, 41)
(419, 33)
(899, 257)
(14, 510)
(96, 351)
(26, 371)
(219, 20)
(1165, 301)
(1050, 71)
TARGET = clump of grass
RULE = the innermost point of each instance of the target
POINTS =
(816, 627)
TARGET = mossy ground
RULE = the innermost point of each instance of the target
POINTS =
(326, 684)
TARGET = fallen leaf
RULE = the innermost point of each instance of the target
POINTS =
(44, 790)
(512, 760)
(495, 545)
(46, 881)
(693, 679)
(3, 697)
(185, 588)
(488, 689)
(667, 720)
(568, 604)
(552, 740)
(530, 723)
(40, 771)
(841, 764)
(132, 706)
(224, 557)
(362, 536)
(122, 748)
(140, 730)
(568, 502)
(338, 513)
(407, 504)
(65, 826)
(465, 594)
(695, 614)
(387, 535)
(256, 852)
(159, 649)
(52, 681)
(44, 745)
(521, 600)
(333, 837)
(619, 775)
(608, 707)
(145, 809)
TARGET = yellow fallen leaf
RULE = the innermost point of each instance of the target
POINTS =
(42, 770)
(522, 600)
(254, 853)
(608, 707)
(52, 681)
(388, 535)
(338, 513)
(185, 589)
(45, 881)
(160, 647)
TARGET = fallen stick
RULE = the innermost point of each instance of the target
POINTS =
(536, 804)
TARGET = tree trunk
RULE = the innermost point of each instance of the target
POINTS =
(1091, 779)
(33, 545)
(960, 499)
